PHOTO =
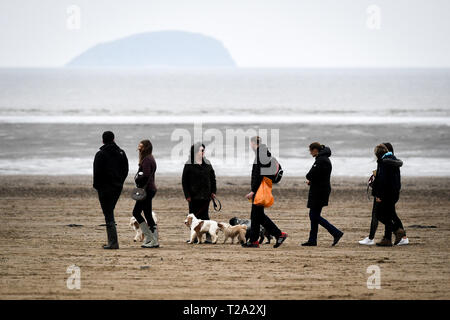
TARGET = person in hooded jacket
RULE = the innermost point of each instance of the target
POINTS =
(318, 178)
(262, 166)
(199, 183)
(369, 241)
(386, 190)
(110, 172)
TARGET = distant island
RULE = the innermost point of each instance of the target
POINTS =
(157, 49)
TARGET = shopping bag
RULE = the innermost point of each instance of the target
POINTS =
(263, 196)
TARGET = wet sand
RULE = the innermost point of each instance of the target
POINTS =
(37, 245)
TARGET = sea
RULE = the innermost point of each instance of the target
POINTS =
(51, 120)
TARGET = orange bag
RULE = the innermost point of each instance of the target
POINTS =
(263, 196)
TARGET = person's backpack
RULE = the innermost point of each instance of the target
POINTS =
(277, 176)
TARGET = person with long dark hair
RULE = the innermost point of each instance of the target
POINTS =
(199, 183)
(386, 190)
(369, 241)
(263, 165)
(145, 178)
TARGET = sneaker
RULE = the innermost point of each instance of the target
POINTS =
(251, 244)
(280, 239)
(309, 244)
(336, 239)
(399, 234)
(385, 243)
(403, 242)
(368, 242)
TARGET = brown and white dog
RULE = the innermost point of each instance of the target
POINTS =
(139, 237)
(233, 231)
(198, 227)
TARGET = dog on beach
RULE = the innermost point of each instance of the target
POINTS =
(233, 231)
(139, 237)
(199, 227)
(262, 232)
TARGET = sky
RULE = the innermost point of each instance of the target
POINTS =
(258, 33)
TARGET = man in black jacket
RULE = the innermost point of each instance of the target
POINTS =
(318, 178)
(262, 166)
(110, 172)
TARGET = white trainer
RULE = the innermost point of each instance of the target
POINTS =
(366, 241)
(403, 242)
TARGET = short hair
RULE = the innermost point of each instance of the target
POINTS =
(389, 146)
(380, 150)
(256, 140)
(315, 145)
(108, 137)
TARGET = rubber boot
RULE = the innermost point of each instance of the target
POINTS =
(111, 232)
(154, 242)
(147, 234)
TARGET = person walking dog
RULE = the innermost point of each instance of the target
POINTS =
(145, 178)
(386, 190)
(110, 172)
(199, 183)
(262, 166)
(369, 241)
(318, 179)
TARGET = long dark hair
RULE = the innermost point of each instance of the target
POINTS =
(194, 149)
(146, 151)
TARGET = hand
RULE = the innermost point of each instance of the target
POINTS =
(377, 199)
(188, 199)
(250, 195)
(308, 182)
(213, 195)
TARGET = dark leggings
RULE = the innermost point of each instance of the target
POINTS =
(374, 222)
(385, 213)
(258, 217)
(146, 206)
(200, 208)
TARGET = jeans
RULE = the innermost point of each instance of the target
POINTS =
(316, 219)
(146, 206)
(388, 216)
(108, 199)
(258, 218)
(200, 208)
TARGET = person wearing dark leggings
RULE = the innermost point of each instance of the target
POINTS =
(262, 166)
(145, 178)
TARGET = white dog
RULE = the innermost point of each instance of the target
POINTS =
(199, 227)
(139, 237)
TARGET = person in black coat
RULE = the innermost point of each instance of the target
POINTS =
(263, 166)
(386, 190)
(199, 183)
(110, 172)
(318, 178)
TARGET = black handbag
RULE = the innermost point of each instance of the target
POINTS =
(139, 194)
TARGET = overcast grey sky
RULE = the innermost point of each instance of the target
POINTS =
(258, 33)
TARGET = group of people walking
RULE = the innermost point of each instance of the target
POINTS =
(199, 187)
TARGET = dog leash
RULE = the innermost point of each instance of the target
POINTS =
(217, 205)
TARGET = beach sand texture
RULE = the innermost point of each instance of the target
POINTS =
(37, 245)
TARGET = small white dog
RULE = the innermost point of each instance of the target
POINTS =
(232, 232)
(139, 237)
(198, 227)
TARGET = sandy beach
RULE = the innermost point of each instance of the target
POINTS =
(37, 244)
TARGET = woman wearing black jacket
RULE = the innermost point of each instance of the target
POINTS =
(199, 183)
(262, 166)
(318, 178)
(145, 178)
(386, 190)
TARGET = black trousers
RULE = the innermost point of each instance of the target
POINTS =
(108, 199)
(259, 218)
(374, 222)
(316, 220)
(200, 208)
(385, 213)
(146, 206)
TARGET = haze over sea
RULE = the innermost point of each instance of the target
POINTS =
(51, 120)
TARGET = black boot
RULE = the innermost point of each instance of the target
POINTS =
(112, 236)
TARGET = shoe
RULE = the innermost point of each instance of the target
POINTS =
(208, 239)
(154, 243)
(149, 241)
(309, 244)
(251, 244)
(403, 242)
(111, 232)
(399, 234)
(336, 239)
(280, 239)
(368, 242)
(195, 240)
(385, 243)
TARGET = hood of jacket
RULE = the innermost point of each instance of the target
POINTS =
(325, 152)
